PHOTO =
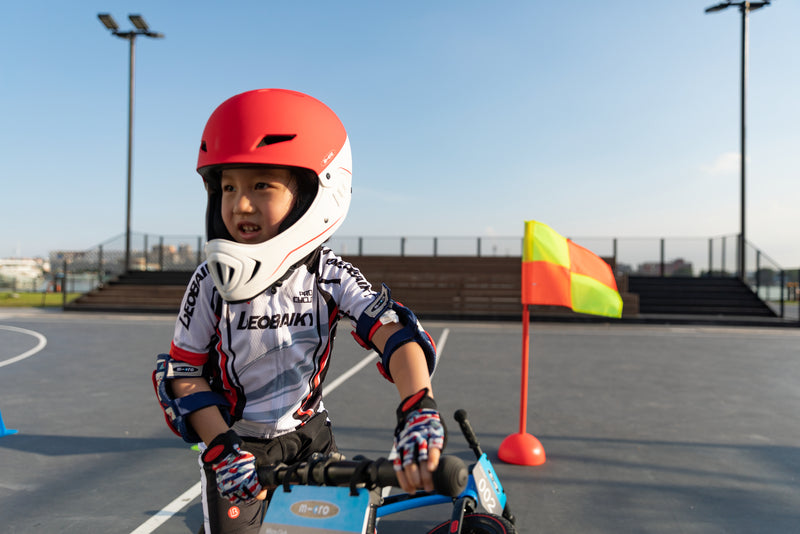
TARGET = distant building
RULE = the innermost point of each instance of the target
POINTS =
(678, 267)
(79, 260)
(23, 271)
(623, 268)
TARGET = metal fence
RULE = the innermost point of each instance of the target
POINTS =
(148, 252)
(649, 256)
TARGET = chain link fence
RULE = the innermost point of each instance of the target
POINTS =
(648, 256)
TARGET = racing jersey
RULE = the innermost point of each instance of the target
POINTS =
(269, 356)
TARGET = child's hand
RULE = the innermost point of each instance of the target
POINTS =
(420, 437)
(235, 469)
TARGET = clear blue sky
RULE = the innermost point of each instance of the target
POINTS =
(599, 118)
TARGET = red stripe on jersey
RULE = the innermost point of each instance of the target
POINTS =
(323, 365)
(186, 356)
(231, 392)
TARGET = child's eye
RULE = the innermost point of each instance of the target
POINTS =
(227, 188)
(262, 185)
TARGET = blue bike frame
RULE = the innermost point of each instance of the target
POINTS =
(339, 510)
(483, 487)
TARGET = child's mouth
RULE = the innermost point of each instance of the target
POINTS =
(248, 228)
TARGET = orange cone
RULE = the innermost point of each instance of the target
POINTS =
(521, 449)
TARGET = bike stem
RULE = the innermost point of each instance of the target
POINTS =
(469, 434)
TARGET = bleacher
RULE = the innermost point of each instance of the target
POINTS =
(438, 287)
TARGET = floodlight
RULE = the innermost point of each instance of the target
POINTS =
(108, 21)
(718, 7)
(141, 29)
(139, 22)
(745, 7)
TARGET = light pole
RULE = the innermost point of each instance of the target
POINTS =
(141, 29)
(744, 7)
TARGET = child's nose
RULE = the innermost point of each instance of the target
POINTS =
(243, 204)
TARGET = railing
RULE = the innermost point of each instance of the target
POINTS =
(676, 256)
(426, 246)
(95, 266)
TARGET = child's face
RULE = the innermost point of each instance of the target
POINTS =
(256, 201)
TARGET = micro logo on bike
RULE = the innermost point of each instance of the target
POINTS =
(315, 509)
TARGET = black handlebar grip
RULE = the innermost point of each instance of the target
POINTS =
(469, 434)
(450, 477)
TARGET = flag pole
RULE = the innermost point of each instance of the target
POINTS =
(523, 448)
(523, 408)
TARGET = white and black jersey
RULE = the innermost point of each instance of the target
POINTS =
(269, 356)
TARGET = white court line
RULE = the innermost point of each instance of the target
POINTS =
(189, 495)
(168, 511)
(350, 372)
(42, 343)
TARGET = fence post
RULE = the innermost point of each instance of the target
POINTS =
(435, 246)
(614, 245)
(722, 267)
(64, 285)
(710, 256)
(100, 265)
(146, 248)
(160, 253)
(783, 283)
(360, 246)
(479, 247)
(661, 265)
(739, 256)
(758, 273)
(199, 249)
(402, 246)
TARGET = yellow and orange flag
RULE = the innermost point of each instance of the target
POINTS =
(557, 272)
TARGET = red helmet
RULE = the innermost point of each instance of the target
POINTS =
(274, 127)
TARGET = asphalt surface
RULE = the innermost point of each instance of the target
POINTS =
(647, 428)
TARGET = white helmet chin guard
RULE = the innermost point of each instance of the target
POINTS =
(241, 271)
(274, 127)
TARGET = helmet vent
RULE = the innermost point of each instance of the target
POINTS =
(203, 146)
(274, 139)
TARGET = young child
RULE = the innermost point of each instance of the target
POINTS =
(254, 335)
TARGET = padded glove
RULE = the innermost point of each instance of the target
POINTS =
(419, 428)
(235, 469)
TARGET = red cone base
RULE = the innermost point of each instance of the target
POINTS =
(521, 449)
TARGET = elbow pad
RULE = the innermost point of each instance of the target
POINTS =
(373, 318)
(176, 410)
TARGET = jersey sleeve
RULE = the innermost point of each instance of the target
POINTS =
(196, 325)
(368, 309)
(351, 290)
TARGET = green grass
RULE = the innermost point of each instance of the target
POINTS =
(26, 299)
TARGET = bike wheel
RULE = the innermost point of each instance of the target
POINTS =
(479, 524)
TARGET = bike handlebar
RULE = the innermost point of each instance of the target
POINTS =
(450, 477)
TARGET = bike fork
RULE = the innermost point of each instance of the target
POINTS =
(372, 520)
(461, 506)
